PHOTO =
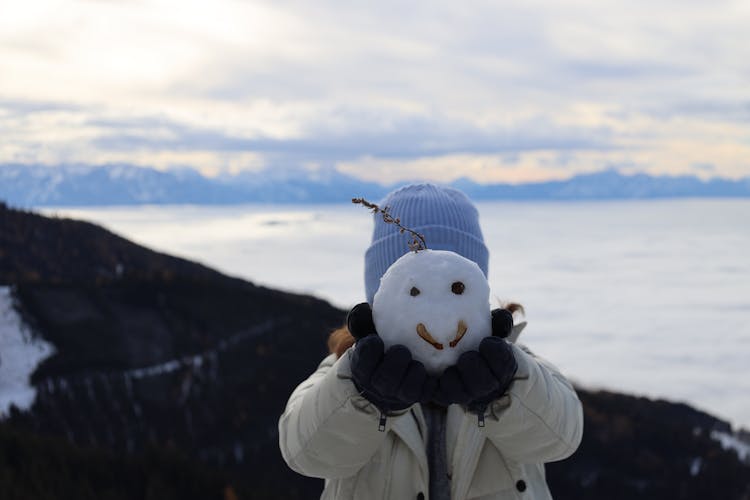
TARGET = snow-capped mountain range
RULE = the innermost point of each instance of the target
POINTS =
(66, 185)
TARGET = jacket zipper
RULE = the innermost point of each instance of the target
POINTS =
(381, 422)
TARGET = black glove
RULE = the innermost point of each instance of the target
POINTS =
(390, 380)
(480, 377)
(359, 321)
(502, 323)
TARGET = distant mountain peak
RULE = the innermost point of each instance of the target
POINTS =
(124, 184)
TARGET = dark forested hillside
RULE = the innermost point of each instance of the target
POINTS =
(164, 354)
(34, 248)
(640, 448)
(51, 468)
(168, 380)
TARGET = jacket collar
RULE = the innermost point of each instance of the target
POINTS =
(516, 331)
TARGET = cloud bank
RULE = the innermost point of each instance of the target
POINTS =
(498, 92)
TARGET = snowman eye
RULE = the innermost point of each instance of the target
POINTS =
(458, 288)
(414, 291)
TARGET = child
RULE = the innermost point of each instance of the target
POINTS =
(481, 430)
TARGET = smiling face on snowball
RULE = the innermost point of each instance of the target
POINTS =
(436, 303)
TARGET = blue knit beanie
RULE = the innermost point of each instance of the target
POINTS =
(445, 216)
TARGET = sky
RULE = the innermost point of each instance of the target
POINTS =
(385, 91)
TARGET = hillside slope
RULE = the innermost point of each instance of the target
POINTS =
(157, 356)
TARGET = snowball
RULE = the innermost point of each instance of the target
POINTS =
(436, 303)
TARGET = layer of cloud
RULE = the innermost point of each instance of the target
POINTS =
(433, 90)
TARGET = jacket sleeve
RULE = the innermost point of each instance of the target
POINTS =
(328, 430)
(540, 419)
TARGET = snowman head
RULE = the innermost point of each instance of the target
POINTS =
(436, 303)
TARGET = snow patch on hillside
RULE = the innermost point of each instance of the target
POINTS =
(20, 354)
(733, 442)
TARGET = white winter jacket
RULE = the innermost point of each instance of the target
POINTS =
(329, 431)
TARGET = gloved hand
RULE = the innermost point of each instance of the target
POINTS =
(479, 377)
(390, 380)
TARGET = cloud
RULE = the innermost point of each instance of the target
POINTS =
(721, 110)
(349, 138)
(26, 107)
(546, 86)
(706, 167)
